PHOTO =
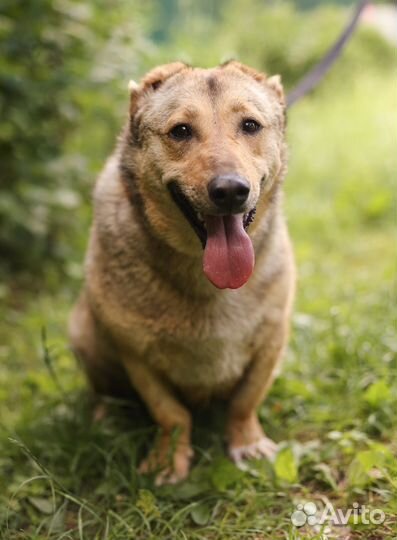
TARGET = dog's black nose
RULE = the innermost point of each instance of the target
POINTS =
(228, 192)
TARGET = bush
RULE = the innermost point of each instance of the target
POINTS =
(53, 57)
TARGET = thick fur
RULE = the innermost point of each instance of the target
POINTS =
(148, 316)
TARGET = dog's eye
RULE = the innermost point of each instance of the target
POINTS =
(181, 132)
(250, 126)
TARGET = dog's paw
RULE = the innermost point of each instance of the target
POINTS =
(263, 448)
(246, 440)
(172, 475)
(168, 469)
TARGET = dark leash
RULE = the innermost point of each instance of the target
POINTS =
(315, 75)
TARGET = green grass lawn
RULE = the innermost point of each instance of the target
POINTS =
(333, 409)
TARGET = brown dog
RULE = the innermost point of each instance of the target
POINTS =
(174, 303)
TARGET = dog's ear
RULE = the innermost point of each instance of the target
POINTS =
(151, 81)
(133, 87)
(158, 75)
(149, 84)
(274, 83)
(251, 72)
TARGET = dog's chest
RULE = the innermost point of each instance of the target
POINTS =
(208, 361)
(200, 348)
(204, 344)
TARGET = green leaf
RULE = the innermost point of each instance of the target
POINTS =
(201, 514)
(378, 393)
(224, 474)
(358, 473)
(285, 466)
(186, 490)
(146, 502)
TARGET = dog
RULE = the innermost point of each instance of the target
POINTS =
(189, 272)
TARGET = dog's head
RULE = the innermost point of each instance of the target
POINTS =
(206, 148)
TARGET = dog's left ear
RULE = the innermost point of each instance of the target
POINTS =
(275, 84)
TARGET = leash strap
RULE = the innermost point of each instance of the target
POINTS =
(315, 75)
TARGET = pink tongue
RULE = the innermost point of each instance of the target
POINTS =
(228, 254)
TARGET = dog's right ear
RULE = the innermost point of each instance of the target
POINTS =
(151, 81)
(160, 74)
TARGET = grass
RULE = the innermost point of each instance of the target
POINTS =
(333, 409)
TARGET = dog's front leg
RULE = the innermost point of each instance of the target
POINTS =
(244, 432)
(171, 455)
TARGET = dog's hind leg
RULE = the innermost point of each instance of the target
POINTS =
(93, 349)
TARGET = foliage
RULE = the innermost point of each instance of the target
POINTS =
(48, 86)
(276, 38)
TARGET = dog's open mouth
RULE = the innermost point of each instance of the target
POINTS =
(228, 258)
